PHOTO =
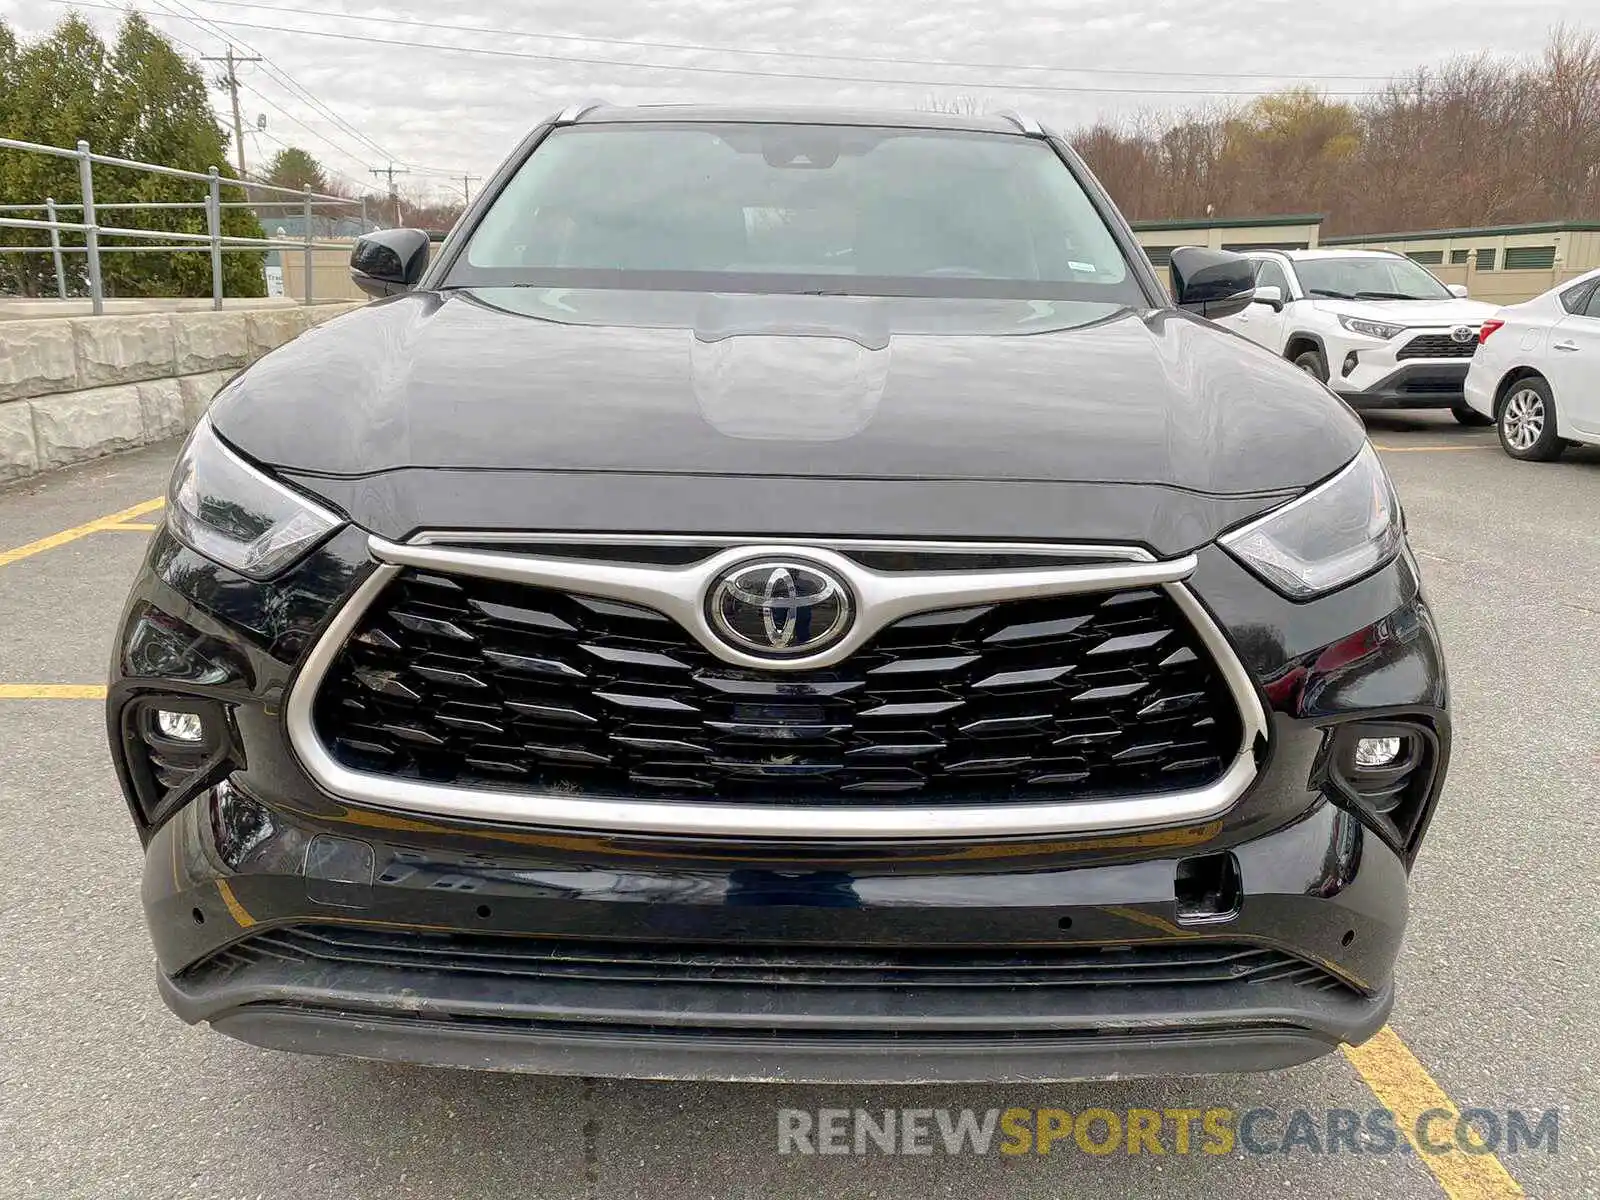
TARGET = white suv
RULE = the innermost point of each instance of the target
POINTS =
(1374, 326)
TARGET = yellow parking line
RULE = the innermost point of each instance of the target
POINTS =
(1404, 1087)
(1427, 449)
(237, 911)
(125, 527)
(7, 557)
(52, 691)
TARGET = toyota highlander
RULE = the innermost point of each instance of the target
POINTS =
(782, 595)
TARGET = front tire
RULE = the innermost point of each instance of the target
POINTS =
(1527, 422)
(1313, 363)
(1470, 417)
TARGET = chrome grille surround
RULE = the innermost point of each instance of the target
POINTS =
(679, 590)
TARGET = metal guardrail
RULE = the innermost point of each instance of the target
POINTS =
(214, 240)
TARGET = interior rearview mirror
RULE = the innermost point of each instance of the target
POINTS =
(389, 261)
(1212, 283)
(1269, 294)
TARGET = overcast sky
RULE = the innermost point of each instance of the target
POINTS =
(437, 109)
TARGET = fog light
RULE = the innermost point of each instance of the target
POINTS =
(1351, 361)
(180, 726)
(1377, 751)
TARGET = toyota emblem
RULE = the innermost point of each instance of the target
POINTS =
(1463, 334)
(779, 608)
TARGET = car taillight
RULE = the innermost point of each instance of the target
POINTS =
(1488, 328)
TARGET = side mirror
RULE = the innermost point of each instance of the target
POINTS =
(1271, 295)
(1460, 291)
(1212, 283)
(389, 261)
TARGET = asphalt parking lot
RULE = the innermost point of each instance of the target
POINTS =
(104, 1094)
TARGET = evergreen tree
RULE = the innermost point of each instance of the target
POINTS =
(293, 167)
(141, 101)
(52, 95)
(8, 62)
(162, 114)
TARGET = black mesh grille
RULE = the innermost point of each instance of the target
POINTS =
(473, 682)
(499, 955)
(1437, 345)
(1429, 385)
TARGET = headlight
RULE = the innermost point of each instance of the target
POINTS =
(220, 506)
(1333, 535)
(1377, 329)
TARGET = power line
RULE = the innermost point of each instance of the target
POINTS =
(275, 70)
(232, 81)
(265, 99)
(307, 94)
(286, 80)
(282, 76)
(316, 133)
(727, 71)
(641, 43)
(200, 54)
(196, 51)
(357, 185)
(394, 193)
(326, 170)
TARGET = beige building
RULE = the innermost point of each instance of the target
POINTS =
(1503, 264)
(330, 274)
(1295, 232)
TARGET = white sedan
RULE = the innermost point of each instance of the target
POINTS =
(1536, 371)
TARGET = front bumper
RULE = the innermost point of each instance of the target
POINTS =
(382, 980)
(1420, 383)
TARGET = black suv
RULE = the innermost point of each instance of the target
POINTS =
(782, 595)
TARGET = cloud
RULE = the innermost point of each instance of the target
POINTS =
(435, 106)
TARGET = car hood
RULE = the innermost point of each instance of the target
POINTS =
(786, 385)
(1411, 312)
(555, 393)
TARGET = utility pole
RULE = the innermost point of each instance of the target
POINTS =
(466, 186)
(394, 194)
(231, 82)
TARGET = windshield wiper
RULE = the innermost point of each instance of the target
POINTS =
(1389, 296)
(1330, 294)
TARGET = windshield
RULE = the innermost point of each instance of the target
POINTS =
(1381, 277)
(842, 210)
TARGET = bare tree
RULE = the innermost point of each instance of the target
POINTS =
(962, 104)
(1478, 140)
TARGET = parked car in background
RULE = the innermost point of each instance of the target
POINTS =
(1537, 371)
(1374, 326)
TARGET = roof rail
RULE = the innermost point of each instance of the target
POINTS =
(570, 114)
(1023, 122)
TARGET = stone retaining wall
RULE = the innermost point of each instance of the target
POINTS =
(76, 388)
